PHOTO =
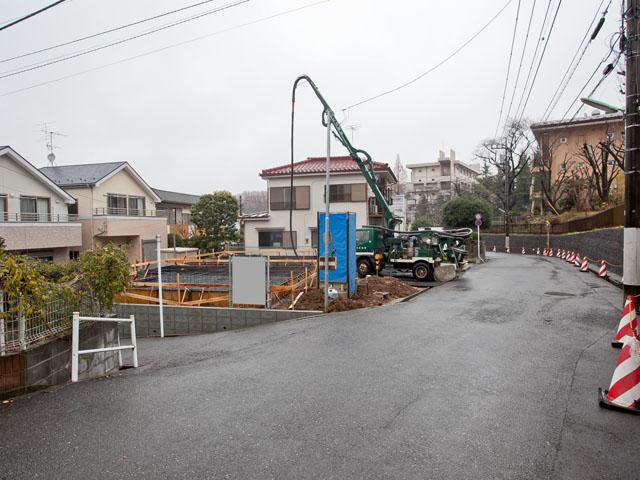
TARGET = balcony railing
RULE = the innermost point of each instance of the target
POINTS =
(128, 212)
(37, 217)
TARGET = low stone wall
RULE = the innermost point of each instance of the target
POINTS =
(198, 320)
(50, 363)
(596, 244)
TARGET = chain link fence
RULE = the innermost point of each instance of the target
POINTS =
(19, 332)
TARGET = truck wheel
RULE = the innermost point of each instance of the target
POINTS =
(364, 267)
(421, 271)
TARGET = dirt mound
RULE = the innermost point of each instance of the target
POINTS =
(372, 291)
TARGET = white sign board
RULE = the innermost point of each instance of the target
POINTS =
(248, 280)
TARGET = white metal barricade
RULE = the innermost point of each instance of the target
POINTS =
(75, 341)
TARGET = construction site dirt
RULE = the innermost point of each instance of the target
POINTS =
(372, 292)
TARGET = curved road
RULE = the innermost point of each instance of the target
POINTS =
(491, 376)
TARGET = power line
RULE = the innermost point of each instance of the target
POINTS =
(573, 67)
(524, 49)
(533, 58)
(168, 47)
(118, 42)
(32, 14)
(104, 32)
(544, 49)
(506, 80)
(611, 49)
(436, 66)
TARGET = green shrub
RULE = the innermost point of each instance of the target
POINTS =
(460, 212)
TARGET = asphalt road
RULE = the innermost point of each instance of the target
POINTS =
(492, 376)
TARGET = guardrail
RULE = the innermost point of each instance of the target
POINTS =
(128, 212)
(37, 217)
(75, 341)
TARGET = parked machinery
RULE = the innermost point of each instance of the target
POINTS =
(429, 254)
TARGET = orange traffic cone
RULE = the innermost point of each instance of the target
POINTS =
(603, 269)
(544, 252)
(570, 257)
(628, 326)
(494, 248)
(624, 392)
(538, 251)
(585, 265)
(576, 261)
(524, 252)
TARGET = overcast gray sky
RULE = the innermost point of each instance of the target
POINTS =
(210, 114)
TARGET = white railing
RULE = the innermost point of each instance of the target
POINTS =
(75, 341)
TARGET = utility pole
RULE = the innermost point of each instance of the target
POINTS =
(631, 262)
(506, 200)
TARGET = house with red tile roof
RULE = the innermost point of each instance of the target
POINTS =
(269, 233)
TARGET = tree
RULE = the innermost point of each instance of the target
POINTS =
(553, 188)
(460, 212)
(509, 157)
(602, 163)
(105, 273)
(422, 222)
(216, 216)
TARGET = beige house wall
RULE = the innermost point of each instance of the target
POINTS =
(40, 235)
(550, 140)
(127, 231)
(92, 199)
(15, 182)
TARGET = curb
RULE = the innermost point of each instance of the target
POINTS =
(609, 278)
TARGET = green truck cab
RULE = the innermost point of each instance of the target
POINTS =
(432, 254)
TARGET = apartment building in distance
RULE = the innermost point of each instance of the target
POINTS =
(560, 143)
(438, 181)
(34, 212)
(114, 205)
(269, 233)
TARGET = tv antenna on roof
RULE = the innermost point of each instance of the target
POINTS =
(353, 128)
(48, 135)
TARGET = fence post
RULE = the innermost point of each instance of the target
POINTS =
(22, 329)
(134, 342)
(75, 336)
(2, 338)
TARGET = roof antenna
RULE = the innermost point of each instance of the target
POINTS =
(48, 136)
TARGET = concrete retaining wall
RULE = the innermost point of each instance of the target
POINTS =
(50, 363)
(596, 244)
(198, 320)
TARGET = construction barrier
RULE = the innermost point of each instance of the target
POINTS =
(628, 326)
(624, 391)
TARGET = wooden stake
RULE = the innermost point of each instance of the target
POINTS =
(178, 286)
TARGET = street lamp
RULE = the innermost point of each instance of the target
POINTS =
(607, 108)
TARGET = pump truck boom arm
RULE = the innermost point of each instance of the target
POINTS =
(362, 158)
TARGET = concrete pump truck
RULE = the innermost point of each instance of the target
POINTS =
(431, 254)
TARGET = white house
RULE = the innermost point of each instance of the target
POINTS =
(34, 215)
(269, 233)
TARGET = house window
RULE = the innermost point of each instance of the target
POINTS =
(279, 198)
(314, 237)
(34, 209)
(350, 192)
(73, 208)
(563, 139)
(276, 239)
(74, 254)
(116, 204)
(125, 205)
(3, 208)
(610, 136)
(136, 206)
